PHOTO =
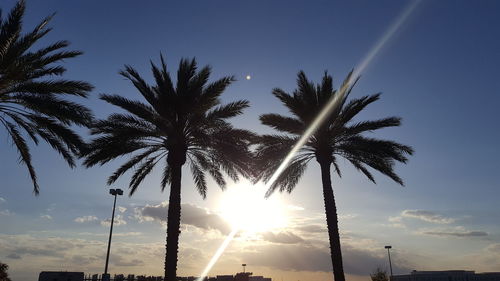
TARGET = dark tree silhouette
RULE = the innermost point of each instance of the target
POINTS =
(178, 124)
(379, 275)
(31, 100)
(4, 275)
(337, 137)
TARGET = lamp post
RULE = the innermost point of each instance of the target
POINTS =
(389, 254)
(244, 265)
(114, 192)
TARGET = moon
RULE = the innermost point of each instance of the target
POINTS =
(248, 77)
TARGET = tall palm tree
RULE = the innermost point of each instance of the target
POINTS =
(177, 124)
(31, 99)
(338, 137)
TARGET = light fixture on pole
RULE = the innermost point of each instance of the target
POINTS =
(244, 265)
(389, 254)
(114, 192)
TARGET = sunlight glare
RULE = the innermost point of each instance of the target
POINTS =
(244, 207)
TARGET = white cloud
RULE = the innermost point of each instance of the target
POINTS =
(86, 219)
(119, 220)
(395, 219)
(284, 237)
(493, 248)
(295, 208)
(5, 213)
(121, 209)
(46, 216)
(462, 234)
(427, 216)
(2, 200)
(347, 216)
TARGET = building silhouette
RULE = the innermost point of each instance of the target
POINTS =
(60, 276)
(80, 276)
(447, 275)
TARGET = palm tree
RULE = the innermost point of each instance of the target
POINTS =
(180, 124)
(337, 137)
(31, 100)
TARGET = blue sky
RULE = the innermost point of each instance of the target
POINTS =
(438, 73)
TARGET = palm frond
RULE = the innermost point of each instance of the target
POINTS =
(139, 109)
(199, 179)
(24, 153)
(141, 173)
(290, 176)
(32, 101)
(283, 124)
(367, 126)
(131, 163)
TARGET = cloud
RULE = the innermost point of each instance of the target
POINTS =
(427, 216)
(17, 246)
(295, 208)
(395, 219)
(121, 209)
(360, 261)
(456, 233)
(86, 219)
(282, 237)
(117, 222)
(118, 234)
(29, 254)
(493, 248)
(298, 257)
(312, 228)
(46, 216)
(14, 256)
(348, 216)
(5, 213)
(118, 260)
(301, 257)
(2, 200)
(190, 215)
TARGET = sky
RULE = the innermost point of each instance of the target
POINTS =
(438, 72)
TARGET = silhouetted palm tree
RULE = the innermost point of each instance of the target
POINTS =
(30, 98)
(337, 137)
(177, 124)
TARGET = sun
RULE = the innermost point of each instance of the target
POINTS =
(245, 208)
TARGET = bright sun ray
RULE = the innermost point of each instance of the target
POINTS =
(332, 104)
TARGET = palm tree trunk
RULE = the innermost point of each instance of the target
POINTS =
(173, 224)
(332, 222)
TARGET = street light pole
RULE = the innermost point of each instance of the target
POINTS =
(113, 192)
(389, 254)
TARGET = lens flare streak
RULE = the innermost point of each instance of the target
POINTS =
(218, 253)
